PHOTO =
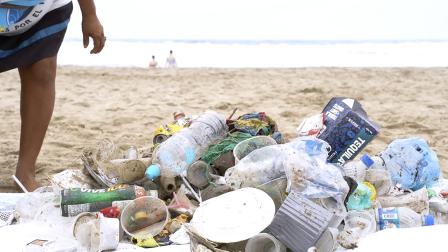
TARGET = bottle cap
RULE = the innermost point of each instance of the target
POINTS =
(367, 160)
(429, 220)
(153, 171)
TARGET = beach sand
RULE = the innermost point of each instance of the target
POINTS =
(126, 104)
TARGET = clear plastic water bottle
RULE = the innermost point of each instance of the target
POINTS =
(401, 217)
(357, 169)
(173, 156)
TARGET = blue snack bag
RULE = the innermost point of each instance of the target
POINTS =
(348, 130)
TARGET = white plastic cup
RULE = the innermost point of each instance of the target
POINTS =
(104, 234)
(264, 242)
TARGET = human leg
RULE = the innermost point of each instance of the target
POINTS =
(36, 108)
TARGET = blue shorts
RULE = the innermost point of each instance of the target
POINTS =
(41, 41)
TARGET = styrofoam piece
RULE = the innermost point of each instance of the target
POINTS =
(299, 222)
(234, 216)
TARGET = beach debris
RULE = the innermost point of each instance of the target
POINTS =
(299, 223)
(362, 198)
(417, 201)
(96, 232)
(245, 147)
(144, 217)
(348, 129)
(411, 163)
(77, 200)
(302, 162)
(109, 165)
(217, 183)
(311, 126)
(173, 157)
(234, 216)
(72, 178)
(165, 131)
(256, 124)
(264, 242)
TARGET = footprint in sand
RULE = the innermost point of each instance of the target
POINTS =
(82, 104)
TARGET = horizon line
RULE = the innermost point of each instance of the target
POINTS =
(272, 41)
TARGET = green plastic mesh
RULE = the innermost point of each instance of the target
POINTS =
(227, 144)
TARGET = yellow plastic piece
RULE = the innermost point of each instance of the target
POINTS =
(372, 188)
(149, 242)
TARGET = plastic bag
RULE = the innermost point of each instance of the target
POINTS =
(411, 163)
(308, 172)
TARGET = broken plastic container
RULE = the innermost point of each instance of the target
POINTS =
(299, 223)
(411, 163)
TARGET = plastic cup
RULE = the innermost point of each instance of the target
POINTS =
(245, 147)
(144, 217)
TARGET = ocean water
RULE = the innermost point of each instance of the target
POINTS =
(260, 54)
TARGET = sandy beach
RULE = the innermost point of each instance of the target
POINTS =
(126, 104)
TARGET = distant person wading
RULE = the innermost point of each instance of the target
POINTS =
(171, 61)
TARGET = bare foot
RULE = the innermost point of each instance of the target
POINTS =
(28, 181)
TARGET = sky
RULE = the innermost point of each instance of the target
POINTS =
(270, 20)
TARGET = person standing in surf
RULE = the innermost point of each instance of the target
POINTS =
(31, 33)
(171, 61)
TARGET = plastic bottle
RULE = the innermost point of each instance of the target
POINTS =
(357, 169)
(179, 151)
(401, 217)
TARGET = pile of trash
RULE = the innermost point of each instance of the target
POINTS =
(220, 184)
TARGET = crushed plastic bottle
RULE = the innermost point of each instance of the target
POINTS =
(174, 155)
(357, 169)
(417, 201)
(302, 161)
(411, 163)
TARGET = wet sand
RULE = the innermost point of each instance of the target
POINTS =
(126, 104)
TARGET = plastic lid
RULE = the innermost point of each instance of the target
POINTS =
(153, 171)
(429, 220)
(367, 160)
